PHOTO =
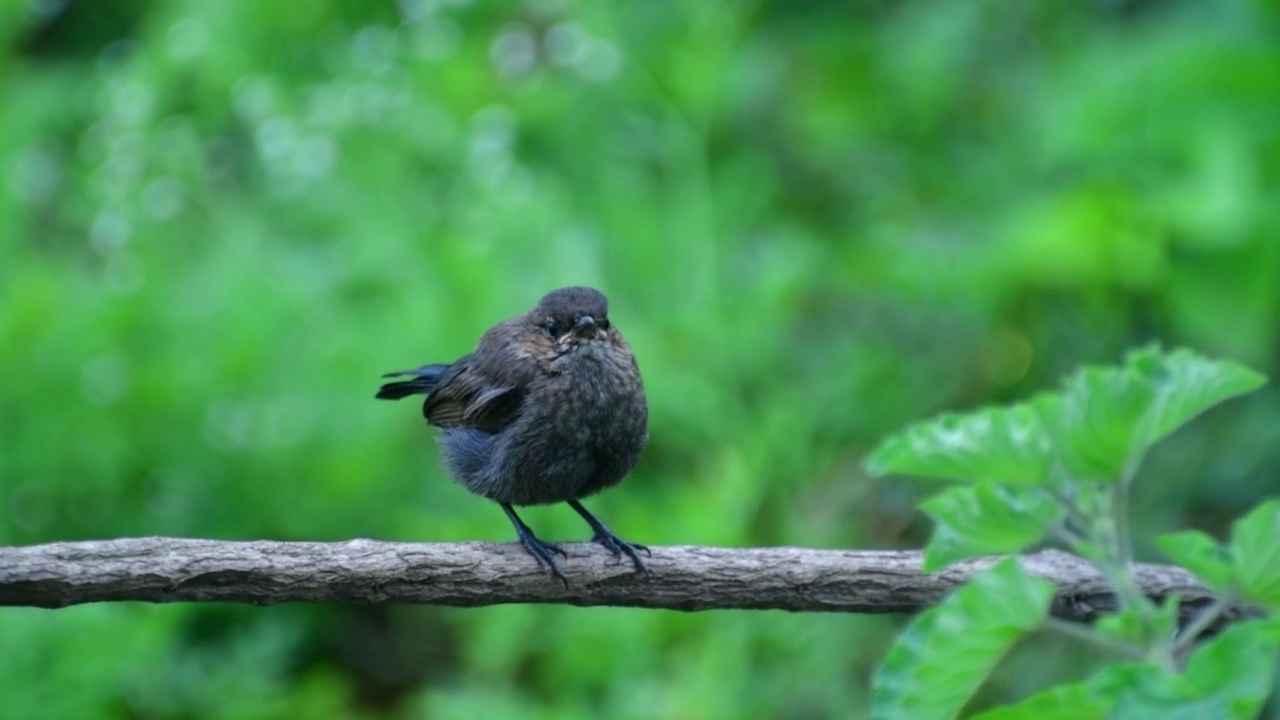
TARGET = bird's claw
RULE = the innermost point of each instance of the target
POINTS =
(544, 553)
(618, 546)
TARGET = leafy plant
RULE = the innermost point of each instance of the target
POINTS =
(1061, 466)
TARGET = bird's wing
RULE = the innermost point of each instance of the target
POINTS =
(467, 397)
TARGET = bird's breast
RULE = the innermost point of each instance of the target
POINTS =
(597, 400)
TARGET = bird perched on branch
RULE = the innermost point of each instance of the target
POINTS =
(549, 407)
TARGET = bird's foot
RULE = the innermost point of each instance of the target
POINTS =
(616, 545)
(544, 552)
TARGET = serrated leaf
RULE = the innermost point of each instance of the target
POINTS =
(1201, 555)
(1094, 421)
(942, 657)
(1064, 702)
(974, 520)
(1006, 445)
(1106, 416)
(1102, 419)
(1194, 384)
(1255, 554)
(1228, 677)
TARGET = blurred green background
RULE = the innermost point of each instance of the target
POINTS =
(816, 221)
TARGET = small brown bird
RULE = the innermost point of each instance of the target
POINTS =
(548, 408)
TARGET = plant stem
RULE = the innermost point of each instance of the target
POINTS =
(1113, 554)
(1204, 620)
(1142, 440)
(1127, 591)
(1120, 525)
(1097, 639)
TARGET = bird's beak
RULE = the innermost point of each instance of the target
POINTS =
(586, 327)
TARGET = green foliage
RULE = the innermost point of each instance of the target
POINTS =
(1255, 552)
(1105, 419)
(1200, 554)
(1230, 676)
(1101, 421)
(1246, 567)
(1098, 428)
(922, 677)
(986, 519)
(815, 222)
(1064, 702)
(1144, 628)
(1003, 445)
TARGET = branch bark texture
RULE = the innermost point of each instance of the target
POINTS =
(157, 569)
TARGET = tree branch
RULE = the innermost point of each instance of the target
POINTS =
(475, 574)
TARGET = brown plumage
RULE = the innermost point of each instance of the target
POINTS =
(549, 407)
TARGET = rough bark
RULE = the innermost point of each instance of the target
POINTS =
(474, 574)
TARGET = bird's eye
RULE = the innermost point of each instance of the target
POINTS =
(604, 323)
(553, 328)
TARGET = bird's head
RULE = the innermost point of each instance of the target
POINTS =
(573, 317)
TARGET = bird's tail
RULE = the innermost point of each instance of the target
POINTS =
(421, 381)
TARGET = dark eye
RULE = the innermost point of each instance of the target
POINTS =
(553, 328)
(604, 323)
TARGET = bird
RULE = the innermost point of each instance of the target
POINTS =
(549, 407)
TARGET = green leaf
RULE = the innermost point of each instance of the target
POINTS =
(1094, 421)
(976, 520)
(1064, 702)
(942, 657)
(1191, 384)
(1143, 624)
(1005, 445)
(1102, 420)
(1228, 677)
(1200, 554)
(1240, 661)
(1255, 552)
(1106, 417)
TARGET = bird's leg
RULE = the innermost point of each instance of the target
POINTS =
(543, 552)
(611, 542)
